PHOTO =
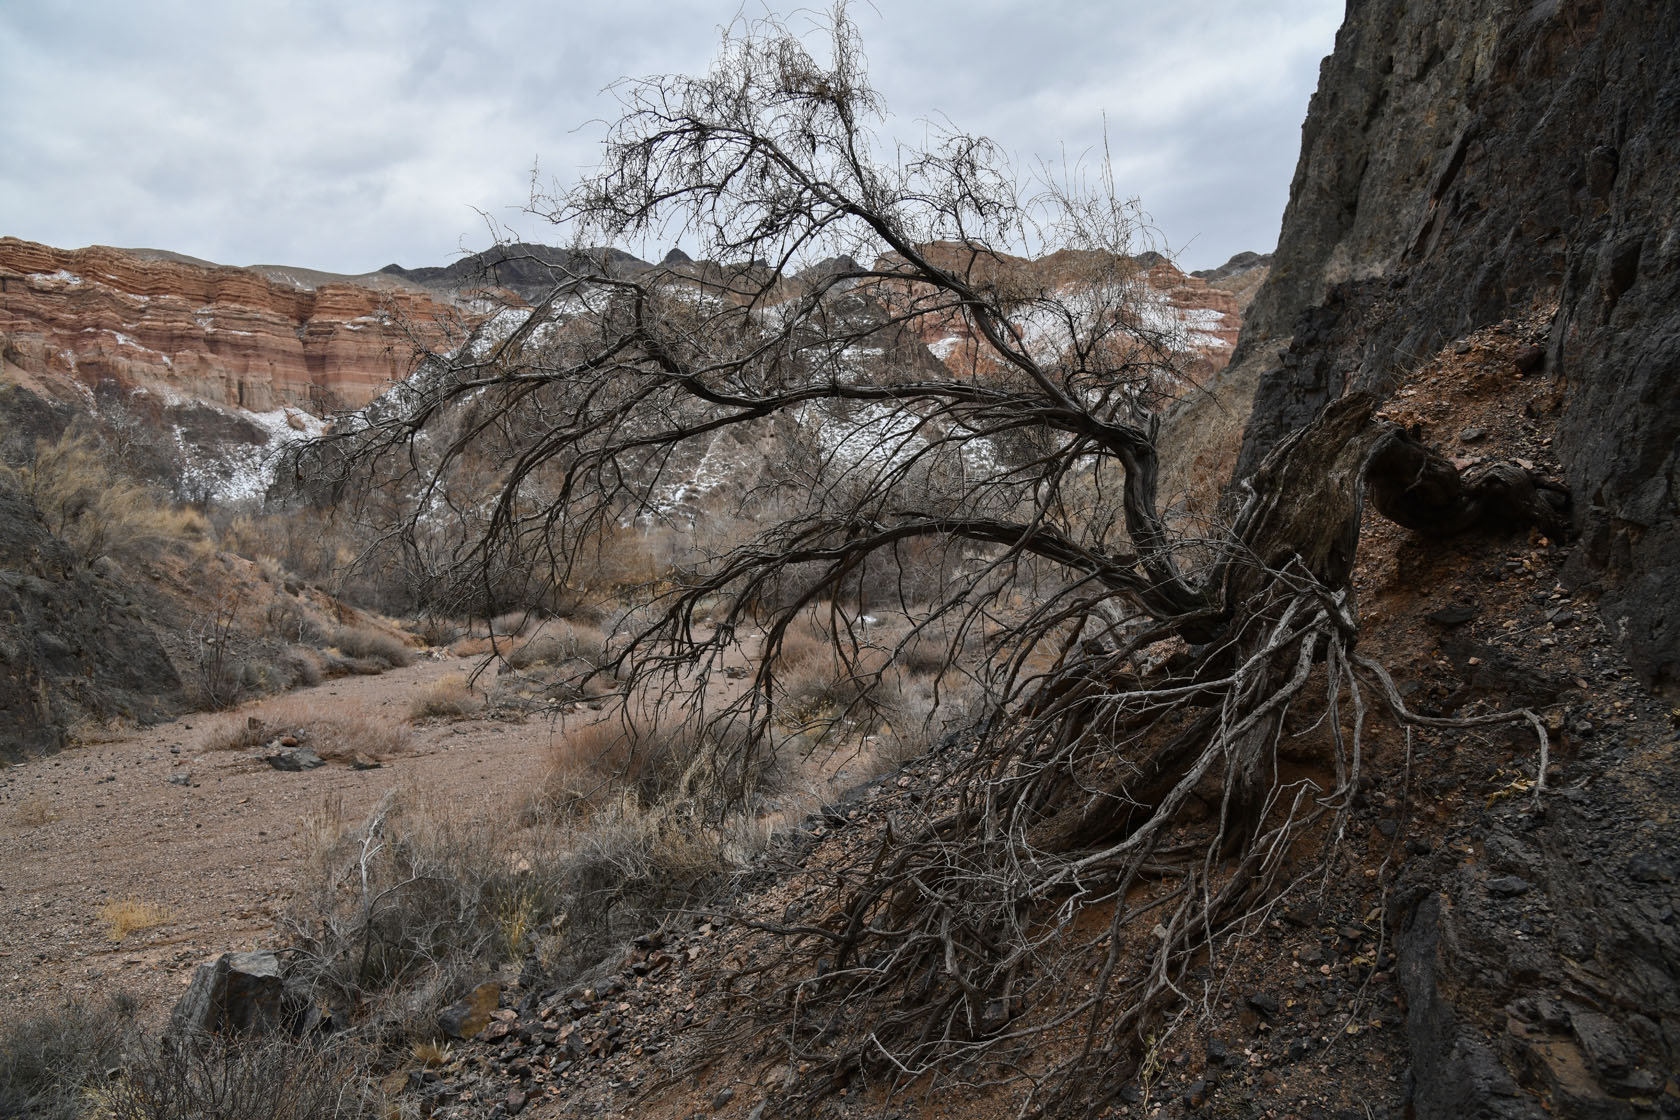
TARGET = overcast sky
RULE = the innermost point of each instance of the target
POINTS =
(350, 134)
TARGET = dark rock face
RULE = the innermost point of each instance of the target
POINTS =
(531, 270)
(69, 645)
(237, 993)
(1236, 266)
(1461, 164)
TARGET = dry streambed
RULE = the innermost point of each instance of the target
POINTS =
(132, 860)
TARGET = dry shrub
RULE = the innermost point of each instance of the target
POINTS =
(403, 914)
(653, 760)
(293, 620)
(303, 667)
(473, 647)
(512, 624)
(364, 643)
(131, 916)
(334, 735)
(436, 631)
(820, 680)
(559, 641)
(273, 1078)
(97, 510)
(623, 557)
(448, 697)
(51, 1060)
(34, 811)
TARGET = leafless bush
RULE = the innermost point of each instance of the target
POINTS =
(51, 1060)
(221, 673)
(272, 1078)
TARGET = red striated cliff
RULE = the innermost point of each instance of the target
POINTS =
(229, 336)
(1193, 318)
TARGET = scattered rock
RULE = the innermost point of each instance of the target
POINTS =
(1451, 616)
(294, 760)
(1195, 1096)
(1507, 886)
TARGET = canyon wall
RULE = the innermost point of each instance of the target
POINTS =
(228, 336)
(1465, 162)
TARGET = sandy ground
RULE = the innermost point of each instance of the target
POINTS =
(104, 824)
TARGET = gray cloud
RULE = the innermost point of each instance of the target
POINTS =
(345, 136)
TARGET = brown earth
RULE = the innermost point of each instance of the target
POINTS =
(106, 824)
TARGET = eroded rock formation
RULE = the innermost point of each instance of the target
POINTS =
(227, 336)
(1463, 164)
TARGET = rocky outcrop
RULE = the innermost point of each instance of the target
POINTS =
(250, 338)
(1463, 164)
(1198, 318)
(530, 270)
(237, 993)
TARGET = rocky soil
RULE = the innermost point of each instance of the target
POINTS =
(214, 840)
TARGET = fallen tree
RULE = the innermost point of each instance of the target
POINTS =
(1137, 679)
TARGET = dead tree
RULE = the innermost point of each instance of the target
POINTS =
(945, 949)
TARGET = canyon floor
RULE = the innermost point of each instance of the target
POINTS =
(208, 841)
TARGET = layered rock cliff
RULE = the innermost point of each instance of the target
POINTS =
(1463, 164)
(235, 337)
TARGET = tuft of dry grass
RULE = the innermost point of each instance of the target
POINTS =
(559, 641)
(448, 697)
(131, 916)
(34, 811)
(431, 1054)
(364, 643)
(334, 735)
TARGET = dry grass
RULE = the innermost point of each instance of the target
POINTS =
(652, 760)
(90, 504)
(131, 916)
(404, 923)
(473, 647)
(336, 736)
(366, 643)
(34, 811)
(448, 697)
(557, 641)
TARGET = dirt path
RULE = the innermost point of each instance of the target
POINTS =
(216, 857)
